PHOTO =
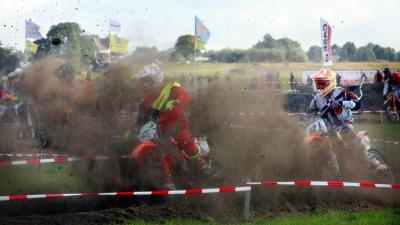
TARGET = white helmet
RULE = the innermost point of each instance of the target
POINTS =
(153, 71)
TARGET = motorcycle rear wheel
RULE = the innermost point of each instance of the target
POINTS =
(44, 140)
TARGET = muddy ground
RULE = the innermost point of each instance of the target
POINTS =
(205, 208)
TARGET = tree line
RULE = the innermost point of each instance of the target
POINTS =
(69, 41)
(287, 50)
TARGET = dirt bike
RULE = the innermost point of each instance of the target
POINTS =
(318, 128)
(391, 106)
(156, 154)
(318, 132)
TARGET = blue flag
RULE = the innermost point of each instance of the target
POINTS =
(32, 30)
(201, 31)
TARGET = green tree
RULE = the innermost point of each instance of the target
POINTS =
(184, 46)
(314, 53)
(44, 47)
(145, 53)
(226, 55)
(266, 55)
(287, 44)
(267, 42)
(336, 50)
(380, 52)
(365, 53)
(292, 50)
(8, 60)
(66, 40)
(349, 52)
(391, 52)
(88, 49)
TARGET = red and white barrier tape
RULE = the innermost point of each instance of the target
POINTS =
(31, 155)
(59, 160)
(283, 82)
(292, 114)
(355, 112)
(325, 183)
(129, 193)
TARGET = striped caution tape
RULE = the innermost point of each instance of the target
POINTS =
(325, 183)
(30, 155)
(290, 113)
(59, 160)
(129, 193)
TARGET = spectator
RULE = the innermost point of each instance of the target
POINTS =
(292, 81)
(386, 78)
(309, 80)
(338, 78)
(3, 92)
(364, 76)
(278, 80)
(378, 77)
(387, 73)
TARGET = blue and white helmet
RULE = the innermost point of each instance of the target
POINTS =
(148, 132)
(153, 71)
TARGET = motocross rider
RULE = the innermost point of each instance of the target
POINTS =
(329, 96)
(392, 82)
(163, 103)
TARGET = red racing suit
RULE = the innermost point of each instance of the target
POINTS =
(172, 122)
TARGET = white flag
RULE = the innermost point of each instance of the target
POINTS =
(326, 34)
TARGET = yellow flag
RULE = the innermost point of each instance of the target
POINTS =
(31, 47)
(118, 45)
(200, 45)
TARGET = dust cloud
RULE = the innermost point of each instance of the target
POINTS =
(88, 116)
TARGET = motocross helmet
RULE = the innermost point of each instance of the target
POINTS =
(150, 74)
(324, 81)
(148, 132)
(395, 79)
(202, 145)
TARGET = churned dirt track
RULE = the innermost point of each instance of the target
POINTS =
(223, 209)
(241, 154)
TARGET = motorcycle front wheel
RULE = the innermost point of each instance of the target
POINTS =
(380, 170)
(392, 115)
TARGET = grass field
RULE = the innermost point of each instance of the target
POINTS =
(51, 178)
(209, 69)
(373, 217)
(245, 71)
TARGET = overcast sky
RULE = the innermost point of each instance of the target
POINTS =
(232, 23)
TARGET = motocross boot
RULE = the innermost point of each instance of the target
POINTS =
(203, 166)
(167, 183)
(169, 186)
